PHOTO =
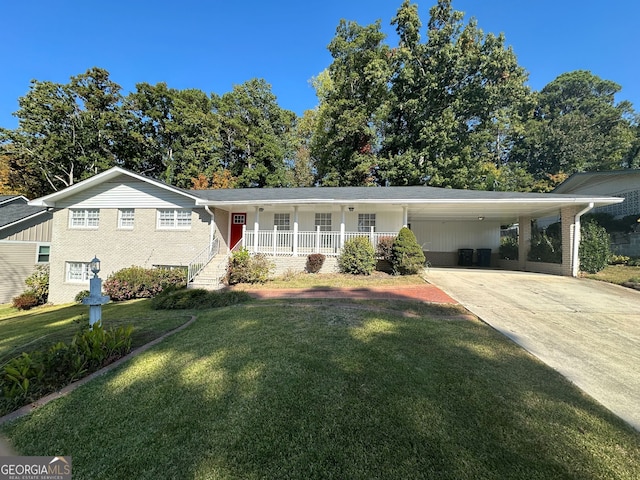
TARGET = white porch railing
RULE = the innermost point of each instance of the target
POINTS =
(289, 243)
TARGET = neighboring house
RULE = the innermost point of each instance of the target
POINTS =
(127, 219)
(624, 184)
(25, 242)
(615, 183)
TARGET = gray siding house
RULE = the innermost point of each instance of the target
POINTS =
(25, 242)
(127, 219)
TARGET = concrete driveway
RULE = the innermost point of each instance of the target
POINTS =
(588, 331)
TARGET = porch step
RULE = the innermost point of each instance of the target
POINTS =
(210, 278)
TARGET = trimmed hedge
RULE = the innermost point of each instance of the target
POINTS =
(595, 247)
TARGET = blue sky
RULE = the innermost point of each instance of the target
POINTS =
(212, 45)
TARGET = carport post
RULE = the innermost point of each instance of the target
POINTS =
(524, 241)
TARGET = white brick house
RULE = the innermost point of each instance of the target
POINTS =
(127, 219)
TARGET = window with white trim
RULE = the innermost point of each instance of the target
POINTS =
(78, 272)
(84, 218)
(43, 253)
(366, 221)
(282, 221)
(174, 218)
(126, 217)
(323, 220)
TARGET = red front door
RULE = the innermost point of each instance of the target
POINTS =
(238, 220)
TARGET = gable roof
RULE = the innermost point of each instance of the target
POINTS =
(15, 209)
(581, 180)
(431, 202)
(51, 199)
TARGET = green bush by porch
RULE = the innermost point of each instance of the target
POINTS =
(357, 257)
(407, 256)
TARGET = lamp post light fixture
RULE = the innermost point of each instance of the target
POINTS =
(95, 300)
(95, 266)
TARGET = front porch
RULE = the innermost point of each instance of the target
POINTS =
(279, 242)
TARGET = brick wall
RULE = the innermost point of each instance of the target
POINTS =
(144, 246)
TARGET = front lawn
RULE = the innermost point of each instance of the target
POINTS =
(335, 280)
(332, 390)
(41, 327)
(618, 274)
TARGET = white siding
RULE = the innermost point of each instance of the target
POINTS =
(439, 236)
(386, 221)
(129, 194)
(17, 262)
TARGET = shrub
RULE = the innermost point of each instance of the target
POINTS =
(32, 375)
(81, 295)
(243, 268)
(407, 256)
(315, 262)
(38, 283)
(594, 247)
(357, 257)
(509, 249)
(139, 282)
(384, 249)
(618, 260)
(197, 299)
(25, 301)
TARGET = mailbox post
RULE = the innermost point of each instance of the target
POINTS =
(95, 300)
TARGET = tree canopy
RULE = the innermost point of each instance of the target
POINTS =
(442, 103)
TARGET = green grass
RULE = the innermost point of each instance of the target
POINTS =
(616, 274)
(25, 331)
(332, 390)
(335, 280)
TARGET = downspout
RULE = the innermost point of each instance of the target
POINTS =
(575, 264)
(212, 229)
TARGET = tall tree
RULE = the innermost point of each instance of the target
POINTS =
(352, 95)
(176, 133)
(456, 103)
(577, 126)
(66, 132)
(256, 135)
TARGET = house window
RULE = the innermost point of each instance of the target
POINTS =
(239, 219)
(323, 220)
(78, 272)
(174, 219)
(366, 221)
(43, 253)
(84, 218)
(126, 217)
(281, 220)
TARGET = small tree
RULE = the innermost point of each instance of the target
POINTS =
(38, 283)
(407, 256)
(357, 257)
(594, 247)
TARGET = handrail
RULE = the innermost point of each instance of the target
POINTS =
(201, 259)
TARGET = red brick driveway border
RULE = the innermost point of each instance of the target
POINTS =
(421, 293)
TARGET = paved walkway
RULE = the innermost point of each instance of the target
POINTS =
(589, 331)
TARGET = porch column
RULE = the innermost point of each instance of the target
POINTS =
(570, 220)
(295, 231)
(256, 228)
(524, 241)
(342, 221)
(405, 216)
